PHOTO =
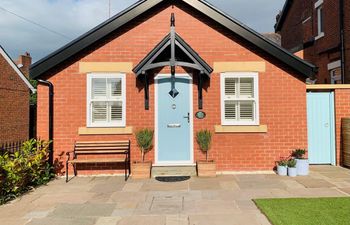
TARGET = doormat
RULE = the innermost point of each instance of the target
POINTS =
(173, 179)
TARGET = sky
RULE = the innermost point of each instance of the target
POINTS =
(42, 26)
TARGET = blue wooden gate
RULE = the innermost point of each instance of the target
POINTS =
(320, 123)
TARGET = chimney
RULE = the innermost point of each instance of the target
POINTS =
(24, 62)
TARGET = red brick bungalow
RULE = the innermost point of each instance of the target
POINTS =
(117, 78)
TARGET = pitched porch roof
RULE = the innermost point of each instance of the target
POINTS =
(173, 51)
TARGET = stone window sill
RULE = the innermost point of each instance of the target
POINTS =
(105, 131)
(241, 129)
(321, 35)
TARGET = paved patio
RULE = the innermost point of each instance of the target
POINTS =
(198, 201)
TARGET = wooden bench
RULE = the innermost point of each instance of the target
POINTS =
(107, 148)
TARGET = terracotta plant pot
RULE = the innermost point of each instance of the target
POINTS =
(141, 170)
(206, 169)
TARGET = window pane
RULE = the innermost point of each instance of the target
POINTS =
(99, 88)
(230, 110)
(116, 110)
(99, 112)
(246, 110)
(321, 19)
(115, 87)
(246, 87)
(230, 86)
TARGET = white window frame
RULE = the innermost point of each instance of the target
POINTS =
(255, 77)
(89, 122)
(318, 7)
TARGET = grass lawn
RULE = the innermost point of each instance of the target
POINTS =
(308, 211)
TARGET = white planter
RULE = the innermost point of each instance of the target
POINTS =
(292, 171)
(282, 170)
(302, 167)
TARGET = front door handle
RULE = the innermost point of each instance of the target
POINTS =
(188, 117)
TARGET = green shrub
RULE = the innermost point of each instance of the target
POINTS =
(144, 139)
(292, 163)
(298, 153)
(282, 162)
(24, 169)
(204, 141)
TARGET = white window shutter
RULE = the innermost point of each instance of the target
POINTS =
(230, 110)
(99, 112)
(115, 87)
(230, 86)
(239, 98)
(116, 110)
(246, 110)
(246, 87)
(99, 88)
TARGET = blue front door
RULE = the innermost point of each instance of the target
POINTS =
(173, 122)
(320, 124)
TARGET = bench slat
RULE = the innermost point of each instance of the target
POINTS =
(102, 142)
(101, 148)
(96, 160)
(100, 152)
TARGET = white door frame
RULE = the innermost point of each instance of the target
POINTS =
(173, 163)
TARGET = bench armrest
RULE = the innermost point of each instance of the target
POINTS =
(68, 154)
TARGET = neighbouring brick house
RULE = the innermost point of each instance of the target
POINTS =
(315, 27)
(116, 79)
(14, 98)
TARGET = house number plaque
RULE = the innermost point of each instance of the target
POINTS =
(201, 115)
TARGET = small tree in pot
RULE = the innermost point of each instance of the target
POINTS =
(302, 163)
(205, 168)
(144, 140)
(292, 170)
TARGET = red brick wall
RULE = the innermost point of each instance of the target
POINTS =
(293, 31)
(14, 105)
(342, 110)
(282, 92)
(326, 49)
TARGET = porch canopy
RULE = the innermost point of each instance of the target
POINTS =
(173, 51)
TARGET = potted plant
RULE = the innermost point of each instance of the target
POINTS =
(282, 167)
(144, 138)
(205, 168)
(302, 163)
(292, 170)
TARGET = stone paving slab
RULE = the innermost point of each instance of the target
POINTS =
(108, 220)
(14, 221)
(346, 190)
(82, 210)
(50, 200)
(222, 200)
(63, 221)
(230, 219)
(132, 187)
(261, 184)
(314, 183)
(143, 220)
(158, 186)
(177, 220)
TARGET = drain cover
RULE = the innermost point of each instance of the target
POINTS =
(173, 178)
